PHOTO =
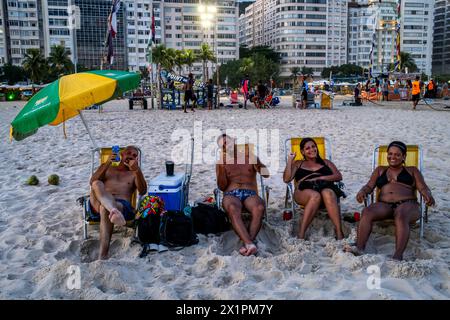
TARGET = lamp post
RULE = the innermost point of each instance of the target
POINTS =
(207, 16)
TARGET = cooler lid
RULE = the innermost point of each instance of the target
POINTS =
(168, 182)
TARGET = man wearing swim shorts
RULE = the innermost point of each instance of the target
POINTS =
(236, 176)
(111, 191)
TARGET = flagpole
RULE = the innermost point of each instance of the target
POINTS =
(108, 31)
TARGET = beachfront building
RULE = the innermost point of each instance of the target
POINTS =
(22, 29)
(441, 41)
(56, 25)
(92, 35)
(311, 33)
(32, 24)
(372, 29)
(417, 32)
(178, 25)
(2, 36)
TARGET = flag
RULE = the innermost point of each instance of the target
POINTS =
(371, 53)
(153, 27)
(112, 30)
(112, 19)
(397, 65)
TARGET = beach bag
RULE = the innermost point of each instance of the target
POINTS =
(148, 217)
(177, 230)
(208, 219)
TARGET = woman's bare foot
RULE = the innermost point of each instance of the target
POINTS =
(243, 251)
(116, 217)
(353, 249)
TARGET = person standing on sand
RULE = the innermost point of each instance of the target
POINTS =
(189, 93)
(416, 89)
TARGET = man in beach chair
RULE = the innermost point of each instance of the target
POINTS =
(236, 172)
(316, 181)
(401, 194)
(112, 191)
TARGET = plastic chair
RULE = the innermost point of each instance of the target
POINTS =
(262, 190)
(413, 159)
(89, 218)
(293, 145)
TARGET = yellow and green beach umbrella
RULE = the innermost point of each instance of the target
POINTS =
(67, 96)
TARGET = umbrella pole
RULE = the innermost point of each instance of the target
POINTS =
(87, 129)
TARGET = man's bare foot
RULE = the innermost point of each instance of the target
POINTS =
(353, 249)
(116, 217)
(103, 257)
(251, 249)
(397, 257)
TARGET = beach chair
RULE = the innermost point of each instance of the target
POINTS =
(326, 101)
(101, 155)
(293, 145)
(263, 190)
(311, 100)
(413, 159)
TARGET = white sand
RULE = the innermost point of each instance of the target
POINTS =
(41, 228)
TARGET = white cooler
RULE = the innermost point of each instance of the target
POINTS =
(169, 189)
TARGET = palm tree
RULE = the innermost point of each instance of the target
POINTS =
(247, 65)
(34, 63)
(179, 59)
(189, 58)
(59, 60)
(295, 71)
(205, 54)
(407, 61)
(169, 59)
(158, 56)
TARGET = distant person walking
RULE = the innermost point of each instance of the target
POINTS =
(210, 93)
(416, 92)
(245, 84)
(189, 93)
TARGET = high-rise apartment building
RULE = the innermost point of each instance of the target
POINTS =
(23, 28)
(27, 24)
(311, 33)
(441, 41)
(178, 25)
(375, 22)
(3, 42)
(92, 35)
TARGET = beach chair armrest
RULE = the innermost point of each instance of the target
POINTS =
(217, 197)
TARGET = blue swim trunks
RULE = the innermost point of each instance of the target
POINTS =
(241, 194)
(128, 211)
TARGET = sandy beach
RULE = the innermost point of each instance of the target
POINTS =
(41, 236)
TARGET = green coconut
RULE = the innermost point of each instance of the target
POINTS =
(53, 179)
(33, 181)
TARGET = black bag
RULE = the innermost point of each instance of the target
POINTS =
(177, 230)
(208, 219)
(148, 229)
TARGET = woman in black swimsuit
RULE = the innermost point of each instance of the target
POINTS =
(314, 185)
(397, 199)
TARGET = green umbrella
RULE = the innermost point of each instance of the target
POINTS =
(67, 96)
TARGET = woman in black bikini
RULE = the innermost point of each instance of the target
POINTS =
(314, 178)
(397, 199)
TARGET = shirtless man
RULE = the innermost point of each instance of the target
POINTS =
(111, 191)
(236, 177)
